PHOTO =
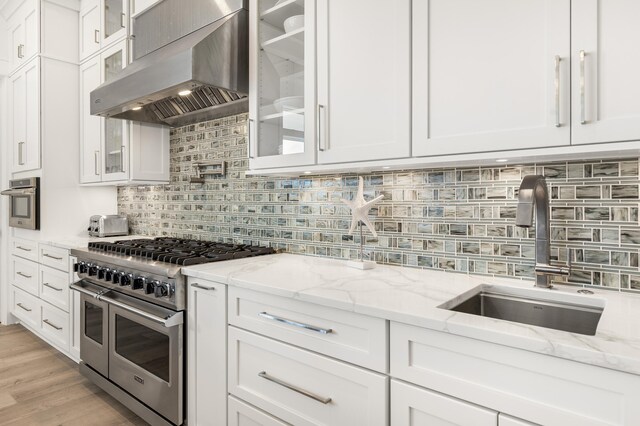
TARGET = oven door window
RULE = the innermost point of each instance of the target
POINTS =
(146, 348)
(20, 206)
(93, 322)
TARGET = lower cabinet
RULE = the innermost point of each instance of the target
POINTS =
(243, 414)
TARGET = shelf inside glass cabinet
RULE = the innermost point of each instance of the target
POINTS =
(289, 46)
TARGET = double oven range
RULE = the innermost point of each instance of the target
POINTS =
(133, 301)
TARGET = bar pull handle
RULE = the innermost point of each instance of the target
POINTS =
(24, 275)
(122, 151)
(20, 305)
(123, 17)
(282, 383)
(21, 51)
(51, 287)
(295, 323)
(51, 257)
(96, 36)
(250, 140)
(583, 118)
(201, 287)
(22, 248)
(49, 323)
(96, 159)
(20, 153)
(321, 145)
(557, 88)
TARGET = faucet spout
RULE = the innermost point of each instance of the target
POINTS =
(533, 197)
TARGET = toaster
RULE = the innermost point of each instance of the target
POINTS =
(108, 225)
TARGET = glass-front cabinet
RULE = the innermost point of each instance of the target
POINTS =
(114, 20)
(282, 113)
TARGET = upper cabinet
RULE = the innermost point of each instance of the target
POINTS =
(102, 22)
(605, 63)
(475, 89)
(352, 105)
(24, 98)
(24, 33)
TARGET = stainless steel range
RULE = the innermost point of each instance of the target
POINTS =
(133, 298)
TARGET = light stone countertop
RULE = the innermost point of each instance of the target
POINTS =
(411, 296)
(83, 242)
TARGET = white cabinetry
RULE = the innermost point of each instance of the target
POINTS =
(102, 22)
(605, 60)
(114, 150)
(90, 33)
(364, 80)
(24, 98)
(476, 90)
(24, 33)
(207, 354)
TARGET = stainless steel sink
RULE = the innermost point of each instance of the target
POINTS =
(542, 308)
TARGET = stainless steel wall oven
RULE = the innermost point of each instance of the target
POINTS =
(24, 203)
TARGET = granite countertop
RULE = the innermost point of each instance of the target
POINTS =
(82, 242)
(411, 296)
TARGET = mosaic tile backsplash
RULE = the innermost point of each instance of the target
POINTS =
(450, 219)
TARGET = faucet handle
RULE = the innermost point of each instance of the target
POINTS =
(556, 270)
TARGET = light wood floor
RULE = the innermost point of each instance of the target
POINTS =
(40, 386)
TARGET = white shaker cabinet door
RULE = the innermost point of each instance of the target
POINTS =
(490, 75)
(90, 32)
(90, 125)
(605, 63)
(364, 80)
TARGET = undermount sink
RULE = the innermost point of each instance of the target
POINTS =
(542, 308)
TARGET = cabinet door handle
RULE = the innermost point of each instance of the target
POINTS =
(22, 248)
(250, 139)
(557, 87)
(122, 158)
(20, 305)
(583, 118)
(20, 154)
(51, 287)
(49, 323)
(51, 257)
(96, 36)
(122, 20)
(321, 145)
(201, 287)
(96, 159)
(301, 391)
(295, 323)
(24, 275)
(21, 51)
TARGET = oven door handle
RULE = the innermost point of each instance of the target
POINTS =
(170, 321)
(26, 191)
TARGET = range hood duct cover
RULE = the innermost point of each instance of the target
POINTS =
(212, 62)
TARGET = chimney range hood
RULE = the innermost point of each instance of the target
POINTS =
(191, 64)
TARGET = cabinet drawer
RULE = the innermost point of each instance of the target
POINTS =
(25, 249)
(26, 307)
(55, 326)
(348, 336)
(301, 387)
(243, 414)
(54, 287)
(25, 275)
(55, 257)
(411, 405)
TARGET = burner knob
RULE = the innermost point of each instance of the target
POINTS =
(108, 275)
(80, 267)
(150, 286)
(139, 283)
(93, 270)
(115, 278)
(162, 290)
(102, 273)
(126, 279)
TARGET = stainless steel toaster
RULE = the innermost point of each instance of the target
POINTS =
(108, 225)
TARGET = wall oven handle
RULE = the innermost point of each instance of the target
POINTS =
(25, 191)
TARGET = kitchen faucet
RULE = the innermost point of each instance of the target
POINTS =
(534, 193)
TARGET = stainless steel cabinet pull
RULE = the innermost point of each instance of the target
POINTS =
(583, 119)
(308, 394)
(295, 323)
(96, 156)
(51, 287)
(21, 51)
(49, 323)
(22, 248)
(122, 158)
(51, 257)
(122, 20)
(20, 154)
(250, 139)
(557, 84)
(321, 145)
(201, 287)
(96, 36)
(20, 305)
(24, 275)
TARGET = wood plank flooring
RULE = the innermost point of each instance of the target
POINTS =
(40, 386)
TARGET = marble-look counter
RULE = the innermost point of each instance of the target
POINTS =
(412, 296)
(83, 242)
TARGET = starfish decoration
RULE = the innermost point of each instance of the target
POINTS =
(360, 209)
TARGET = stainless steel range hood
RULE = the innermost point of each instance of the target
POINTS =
(201, 48)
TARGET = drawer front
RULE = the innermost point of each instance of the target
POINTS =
(348, 336)
(54, 257)
(54, 287)
(25, 274)
(26, 307)
(527, 385)
(55, 326)
(25, 248)
(414, 406)
(301, 387)
(243, 414)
